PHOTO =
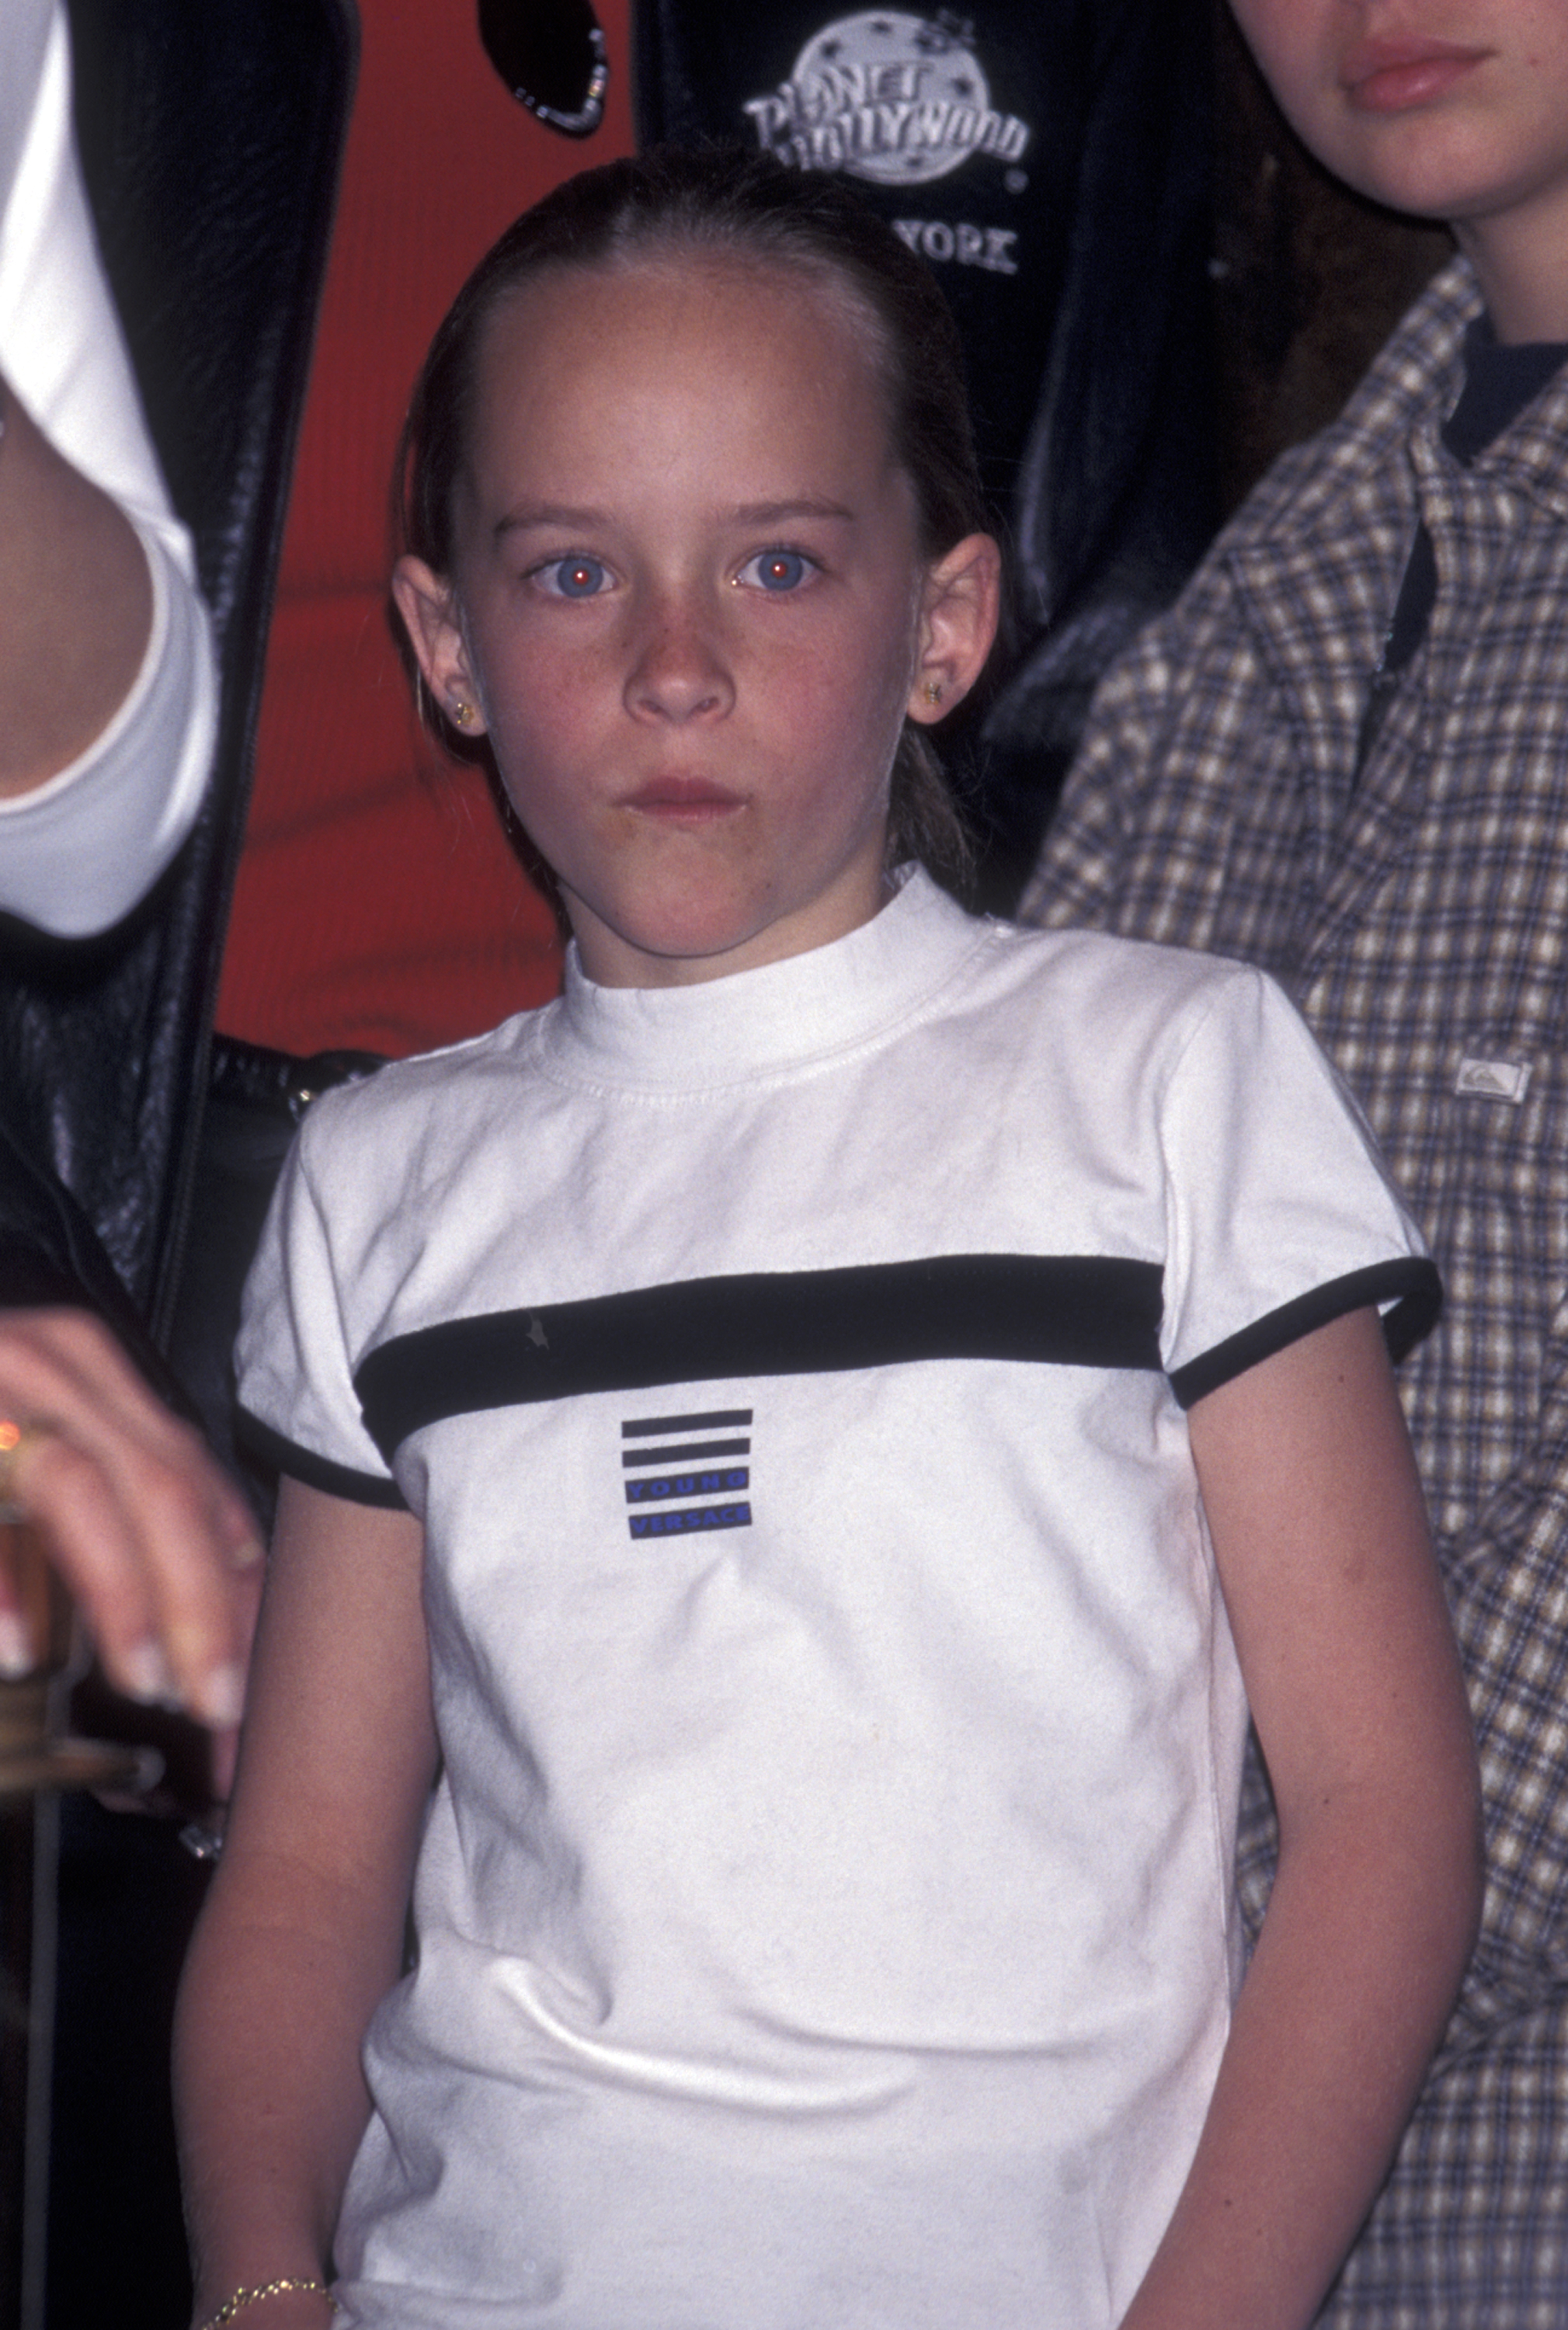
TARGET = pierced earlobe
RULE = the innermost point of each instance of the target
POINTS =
(462, 712)
(933, 691)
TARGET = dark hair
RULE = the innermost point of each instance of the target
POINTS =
(750, 207)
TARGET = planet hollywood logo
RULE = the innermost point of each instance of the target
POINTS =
(895, 99)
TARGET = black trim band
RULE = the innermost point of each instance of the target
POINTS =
(1062, 1310)
(318, 1471)
(1411, 1284)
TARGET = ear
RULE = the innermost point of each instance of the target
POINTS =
(428, 608)
(959, 608)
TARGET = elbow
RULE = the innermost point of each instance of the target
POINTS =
(1404, 1866)
(1444, 1878)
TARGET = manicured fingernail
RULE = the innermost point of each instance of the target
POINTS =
(16, 1654)
(246, 1556)
(221, 1700)
(147, 1677)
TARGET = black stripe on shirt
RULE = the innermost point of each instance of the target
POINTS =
(1058, 1310)
(317, 1472)
(1410, 1284)
(715, 1420)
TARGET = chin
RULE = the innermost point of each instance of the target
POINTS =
(1426, 170)
(703, 942)
(670, 949)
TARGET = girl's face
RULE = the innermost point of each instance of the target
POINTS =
(688, 603)
(1455, 109)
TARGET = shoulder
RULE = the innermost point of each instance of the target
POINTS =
(1190, 1083)
(1111, 998)
(1192, 1050)
(368, 1189)
(379, 1131)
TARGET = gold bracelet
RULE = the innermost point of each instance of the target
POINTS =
(244, 2297)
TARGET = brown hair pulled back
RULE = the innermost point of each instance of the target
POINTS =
(750, 208)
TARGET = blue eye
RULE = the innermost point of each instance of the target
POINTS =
(572, 578)
(778, 570)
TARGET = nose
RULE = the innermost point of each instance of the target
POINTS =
(680, 671)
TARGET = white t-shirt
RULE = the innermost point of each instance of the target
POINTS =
(825, 1916)
(77, 853)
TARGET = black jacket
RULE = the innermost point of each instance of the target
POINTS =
(211, 133)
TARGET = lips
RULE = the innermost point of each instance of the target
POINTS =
(1391, 76)
(682, 801)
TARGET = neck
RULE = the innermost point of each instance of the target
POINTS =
(1519, 263)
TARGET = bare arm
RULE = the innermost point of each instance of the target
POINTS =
(1344, 1638)
(107, 665)
(303, 1932)
(75, 607)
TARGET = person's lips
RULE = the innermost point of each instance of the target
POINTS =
(682, 801)
(1391, 76)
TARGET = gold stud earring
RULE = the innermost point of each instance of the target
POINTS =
(933, 691)
(462, 712)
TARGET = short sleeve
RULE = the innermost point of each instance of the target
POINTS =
(77, 853)
(1280, 1215)
(297, 1397)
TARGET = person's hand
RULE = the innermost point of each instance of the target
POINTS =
(157, 1549)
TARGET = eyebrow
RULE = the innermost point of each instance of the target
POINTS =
(535, 514)
(569, 518)
(779, 513)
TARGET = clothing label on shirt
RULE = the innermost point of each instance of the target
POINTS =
(1506, 1080)
(689, 1480)
(897, 99)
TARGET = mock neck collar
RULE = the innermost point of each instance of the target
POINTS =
(770, 1022)
(1500, 383)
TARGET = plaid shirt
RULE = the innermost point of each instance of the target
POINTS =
(1420, 918)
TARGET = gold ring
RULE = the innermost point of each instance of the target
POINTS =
(13, 1439)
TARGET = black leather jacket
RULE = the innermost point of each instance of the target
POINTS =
(211, 133)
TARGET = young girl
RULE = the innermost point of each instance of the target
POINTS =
(745, 1425)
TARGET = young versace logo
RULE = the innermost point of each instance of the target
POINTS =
(894, 97)
(682, 1472)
